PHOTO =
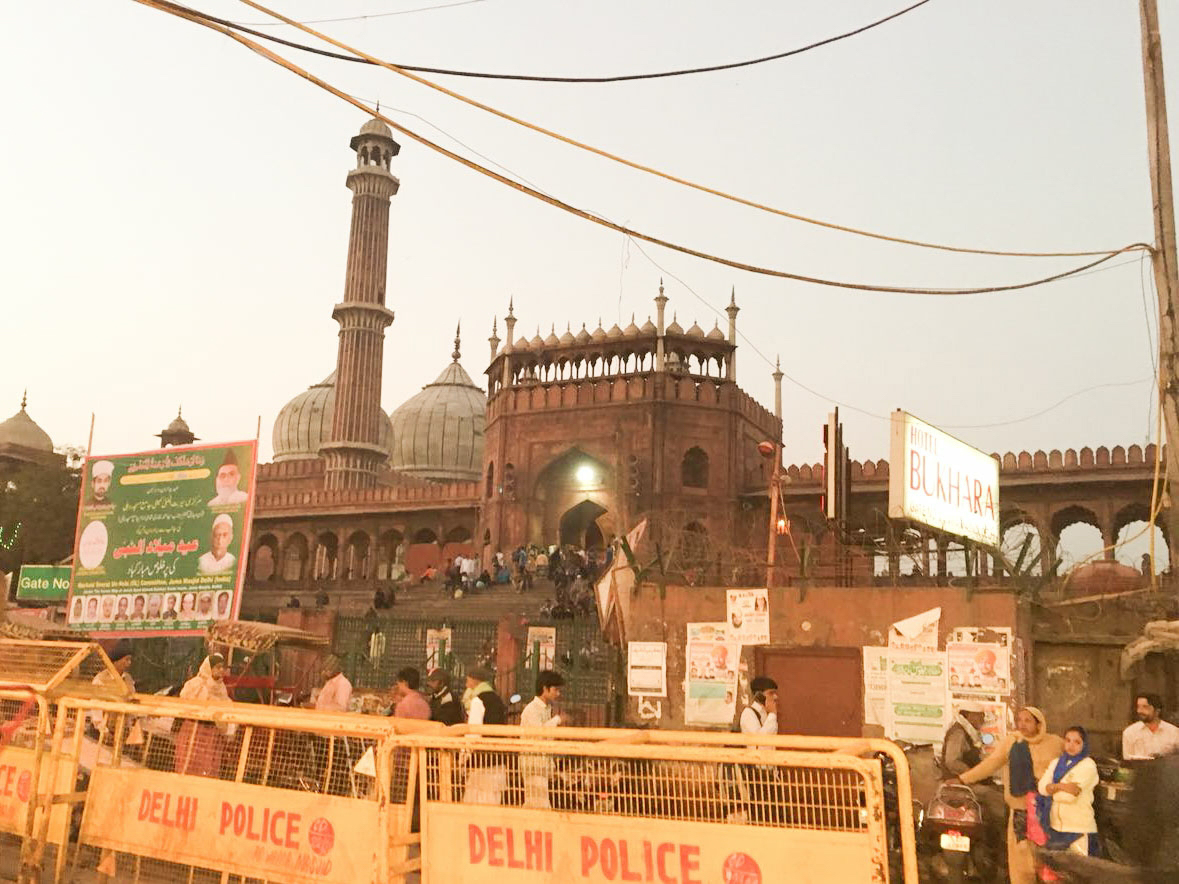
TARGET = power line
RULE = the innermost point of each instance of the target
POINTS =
(549, 78)
(1052, 407)
(181, 12)
(323, 21)
(405, 72)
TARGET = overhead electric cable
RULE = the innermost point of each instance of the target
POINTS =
(548, 78)
(404, 71)
(371, 15)
(180, 12)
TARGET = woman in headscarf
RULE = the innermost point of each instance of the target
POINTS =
(1024, 756)
(1066, 797)
(199, 744)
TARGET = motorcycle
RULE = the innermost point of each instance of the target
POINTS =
(954, 819)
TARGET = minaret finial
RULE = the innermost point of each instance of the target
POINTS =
(511, 305)
(179, 410)
(457, 335)
(24, 399)
(493, 321)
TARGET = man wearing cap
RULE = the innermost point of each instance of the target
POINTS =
(100, 483)
(226, 481)
(962, 744)
(443, 706)
(487, 776)
(219, 559)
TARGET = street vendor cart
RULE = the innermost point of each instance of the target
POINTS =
(267, 663)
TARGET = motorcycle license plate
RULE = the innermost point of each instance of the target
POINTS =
(954, 841)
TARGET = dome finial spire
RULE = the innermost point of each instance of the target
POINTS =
(24, 399)
(457, 337)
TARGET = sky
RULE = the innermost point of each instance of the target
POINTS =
(175, 218)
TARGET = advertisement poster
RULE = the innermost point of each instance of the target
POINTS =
(978, 668)
(1000, 635)
(748, 616)
(711, 695)
(439, 647)
(918, 704)
(916, 633)
(43, 583)
(876, 686)
(995, 716)
(161, 539)
(646, 669)
(544, 639)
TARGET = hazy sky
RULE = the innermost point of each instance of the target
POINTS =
(175, 218)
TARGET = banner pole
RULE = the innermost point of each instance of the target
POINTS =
(90, 438)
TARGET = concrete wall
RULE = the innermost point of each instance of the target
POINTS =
(828, 617)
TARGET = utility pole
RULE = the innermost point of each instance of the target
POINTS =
(1163, 257)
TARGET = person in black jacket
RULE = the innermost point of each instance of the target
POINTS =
(443, 706)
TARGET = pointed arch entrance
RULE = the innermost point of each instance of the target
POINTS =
(579, 526)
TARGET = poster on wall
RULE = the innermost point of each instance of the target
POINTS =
(439, 648)
(748, 614)
(916, 633)
(978, 668)
(161, 539)
(646, 669)
(876, 686)
(995, 718)
(542, 639)
(711, 683)
(918, 704)
(999, 635)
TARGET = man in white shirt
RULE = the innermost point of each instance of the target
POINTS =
(761, 716)
(1149, 736)
(336, 693)
(535, 769)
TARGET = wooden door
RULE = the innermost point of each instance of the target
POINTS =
(820, 690)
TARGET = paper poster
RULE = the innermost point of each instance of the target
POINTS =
(439, 648)
(918, 704)
(748, 615)
(711, 695)
(544, 639)
(978, 668)
(876, 686)
(916, 633)
(1000, 635)
(161, 540)
(646, 669)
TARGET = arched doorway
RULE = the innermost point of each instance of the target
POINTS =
(579, 526)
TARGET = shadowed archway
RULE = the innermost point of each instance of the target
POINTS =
(579, 526)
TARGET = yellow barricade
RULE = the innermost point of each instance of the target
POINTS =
(188, 790)
(566, 805)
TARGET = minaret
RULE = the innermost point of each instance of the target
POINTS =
(494, 339)
(509, 346)
(778, 388)
(660, 307)
(354, 454)
(733, 310)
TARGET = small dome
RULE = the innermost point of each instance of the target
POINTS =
(615, 331)
(22, 430)
(567, 338)
(695, 331)
(552, 340)
(178, 425)
(537, 343)
(376, 127)
(674, 328)
(522, 344)
(599, 333)
(631, 330)
(716, 334)
(648, 327)
(304, 425)
(438, 433)
(583, 337)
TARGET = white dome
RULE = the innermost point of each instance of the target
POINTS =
(304, 425)
(438, 434)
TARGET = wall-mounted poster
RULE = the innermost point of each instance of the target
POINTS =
(646, 669)
(544, 639)
(918, 704)
(711, 683)
(161, 539)
(748, 615)
(979, 668)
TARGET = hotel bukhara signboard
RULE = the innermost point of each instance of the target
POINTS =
(941, 481)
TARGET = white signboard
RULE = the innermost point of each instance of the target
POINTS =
(646, 669)
(748, 613)
(942, 482)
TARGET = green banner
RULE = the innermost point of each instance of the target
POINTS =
(43, 583)
(161, 539)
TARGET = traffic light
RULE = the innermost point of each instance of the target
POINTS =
(510, 481)
(632, 473)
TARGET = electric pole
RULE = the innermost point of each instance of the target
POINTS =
(1166, 271)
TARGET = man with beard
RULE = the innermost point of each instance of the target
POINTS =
(100, 483)
(1149, 736)
(226, 481)
(218, 559)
